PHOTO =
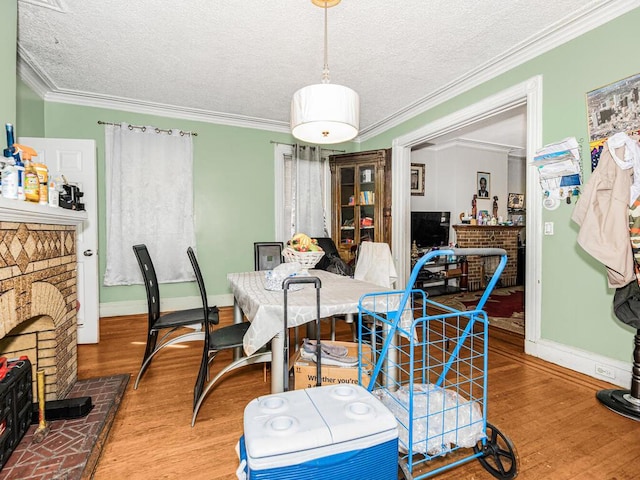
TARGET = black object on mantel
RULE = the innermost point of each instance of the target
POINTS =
(70, 198)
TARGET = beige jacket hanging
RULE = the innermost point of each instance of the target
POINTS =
(603, 215)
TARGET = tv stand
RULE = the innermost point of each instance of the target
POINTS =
(434, 278)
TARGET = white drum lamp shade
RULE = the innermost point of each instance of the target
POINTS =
(325, 113)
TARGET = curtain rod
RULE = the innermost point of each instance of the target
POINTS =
(295, 144)
(144, 128)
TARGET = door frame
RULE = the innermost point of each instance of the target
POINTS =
(527, 93)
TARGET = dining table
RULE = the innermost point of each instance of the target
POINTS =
(339, 295)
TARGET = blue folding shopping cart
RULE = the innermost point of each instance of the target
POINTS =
(429, 367)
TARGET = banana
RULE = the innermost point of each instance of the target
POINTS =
(303, 243)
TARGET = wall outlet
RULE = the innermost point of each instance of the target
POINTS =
(605, 371)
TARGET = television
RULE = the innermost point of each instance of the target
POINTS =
(430, 229)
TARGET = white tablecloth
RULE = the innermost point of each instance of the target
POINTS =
(265, 308)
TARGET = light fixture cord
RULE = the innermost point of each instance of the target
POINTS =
(325, 69)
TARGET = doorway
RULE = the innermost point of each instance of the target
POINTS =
(494, 147)
(527, 94)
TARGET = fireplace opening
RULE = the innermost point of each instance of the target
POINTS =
(37, 338)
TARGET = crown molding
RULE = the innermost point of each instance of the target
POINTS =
(150, 108)
(476, 144)
(43, 86)
(31, 74)
(56, 5)
(554, 36)
(518, 154)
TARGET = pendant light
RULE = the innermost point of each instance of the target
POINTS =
(325, 113)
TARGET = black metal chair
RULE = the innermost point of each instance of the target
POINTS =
(217, 340)
(162, 327)
(267, 255)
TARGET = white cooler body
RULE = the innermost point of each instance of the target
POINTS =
(336, 431)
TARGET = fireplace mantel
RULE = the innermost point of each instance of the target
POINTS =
(28, 212)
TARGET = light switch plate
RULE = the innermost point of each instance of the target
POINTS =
(548, 228)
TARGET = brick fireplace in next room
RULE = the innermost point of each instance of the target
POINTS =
(489, 236)
(38, 291)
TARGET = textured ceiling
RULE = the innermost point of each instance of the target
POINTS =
(243, 59)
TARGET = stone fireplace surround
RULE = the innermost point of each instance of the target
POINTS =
(38, 290)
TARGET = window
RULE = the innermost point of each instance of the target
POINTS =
(303, 191)
(149, 201)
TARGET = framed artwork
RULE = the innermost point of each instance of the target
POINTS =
(483, 184)
(516, 201)
(417, 179)
(608, 113)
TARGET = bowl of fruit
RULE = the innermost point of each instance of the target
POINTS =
(304, 250)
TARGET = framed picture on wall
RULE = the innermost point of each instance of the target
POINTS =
(608, 113)
(483, 184)
(417, 178)
(516, 201)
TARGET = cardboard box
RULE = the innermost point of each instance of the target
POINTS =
(305, 370)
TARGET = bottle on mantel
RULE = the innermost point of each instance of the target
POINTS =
(25, 153)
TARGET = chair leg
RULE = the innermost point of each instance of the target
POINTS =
(203, 375)
(250, 360)
(187, 337)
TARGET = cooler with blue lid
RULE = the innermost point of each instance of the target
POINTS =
(330, 432)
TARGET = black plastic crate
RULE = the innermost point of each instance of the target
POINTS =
(16, 398)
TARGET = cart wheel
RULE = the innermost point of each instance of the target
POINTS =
(499, 455)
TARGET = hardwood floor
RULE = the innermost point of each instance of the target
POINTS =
(559, 429)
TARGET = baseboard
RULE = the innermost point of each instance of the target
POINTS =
(134, 307)
(582, 361)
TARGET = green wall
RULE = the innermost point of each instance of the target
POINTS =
(30, 112)
(8, 35)
(576, 302)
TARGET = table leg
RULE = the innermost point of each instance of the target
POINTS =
(238, 317)
(349, 320)
(277, 363)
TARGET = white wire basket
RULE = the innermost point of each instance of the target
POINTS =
(306, 259)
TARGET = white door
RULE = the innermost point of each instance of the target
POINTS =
(76, 160)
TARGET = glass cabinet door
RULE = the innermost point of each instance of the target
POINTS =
(348, 201)
(367, 202)
(360, 199)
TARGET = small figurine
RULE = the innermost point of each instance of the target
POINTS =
(495, 207)
(474, 209)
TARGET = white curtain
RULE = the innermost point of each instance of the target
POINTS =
(150, 201)
(306, 191)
